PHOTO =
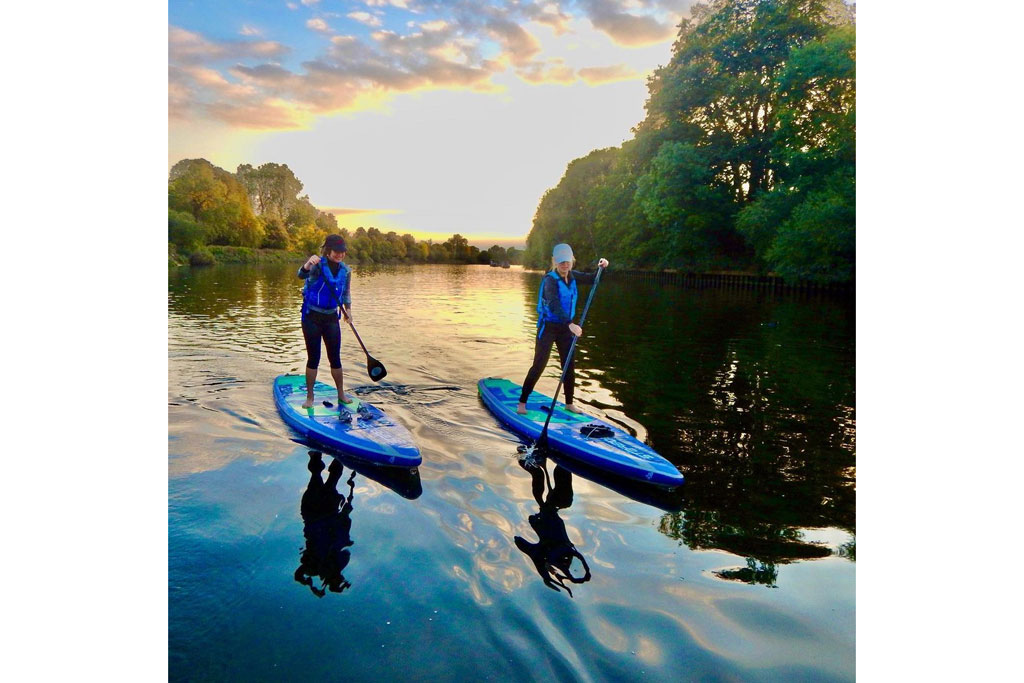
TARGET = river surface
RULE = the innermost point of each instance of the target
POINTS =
(748, 573)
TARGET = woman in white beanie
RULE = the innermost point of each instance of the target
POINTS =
(556, 309)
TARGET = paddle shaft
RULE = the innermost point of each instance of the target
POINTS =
(568, 359)
(357, 337)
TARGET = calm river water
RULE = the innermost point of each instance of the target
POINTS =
(749, 574)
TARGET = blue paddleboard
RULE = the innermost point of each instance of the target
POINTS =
(585, 438)
(358, 428)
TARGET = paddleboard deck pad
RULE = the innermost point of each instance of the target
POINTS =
(585, 438)
(358, 428)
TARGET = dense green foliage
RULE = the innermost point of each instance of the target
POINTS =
(745, 160)
(215, 216)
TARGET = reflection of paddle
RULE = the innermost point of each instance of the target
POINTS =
(542, 441)
(374, 367)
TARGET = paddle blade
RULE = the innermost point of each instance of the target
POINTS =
(375, 369)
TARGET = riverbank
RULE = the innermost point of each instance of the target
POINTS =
(222, 255)
(219, 255)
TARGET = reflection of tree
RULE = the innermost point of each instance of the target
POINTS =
(226, 290)
(752, 396)
(553, 553)
(755, 572)
(327, 526)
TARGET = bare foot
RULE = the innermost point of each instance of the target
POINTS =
(571, 407)
(308, 403)
(521, 409)
(346, 399)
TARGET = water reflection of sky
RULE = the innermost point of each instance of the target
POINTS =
(442, 568)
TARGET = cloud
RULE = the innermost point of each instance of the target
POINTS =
(610, 17)
(595, 75)
(553, 71)
(551, 15)
(437, 25)
(365, 18)
(520, 47)
(319, 25)
(342, 211)
(198, 90)
(186, 47)
(459, 45)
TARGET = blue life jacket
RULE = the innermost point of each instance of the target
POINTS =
(567, 295)
(325, 292)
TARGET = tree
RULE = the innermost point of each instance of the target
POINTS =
(193, 187)
(216, 200)
(412, 250)
(308, 240)
(301, 214)
(719, 89)
(752, 116)
(497, 254)
(327, 222)
(272, 188)
(183, 231)
(692, 213)
(457, 247)
(439, 253)
(817, 241)
(276, 236)
(568, 212)
(804, 228)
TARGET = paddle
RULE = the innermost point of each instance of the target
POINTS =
(542, 441)
(374, 367)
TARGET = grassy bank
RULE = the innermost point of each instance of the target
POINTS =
(208, 256)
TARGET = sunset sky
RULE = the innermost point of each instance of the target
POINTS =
(423, 117)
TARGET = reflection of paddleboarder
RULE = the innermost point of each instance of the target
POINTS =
(553, 553)
(327, 526)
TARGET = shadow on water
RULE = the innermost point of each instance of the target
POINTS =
(553, 553)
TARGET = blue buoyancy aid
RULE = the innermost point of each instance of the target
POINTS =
(567, 295)
(324, 292)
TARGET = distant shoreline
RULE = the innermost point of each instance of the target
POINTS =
(224, 255)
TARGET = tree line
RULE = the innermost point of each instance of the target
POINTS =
(745, 159)
(261, 208)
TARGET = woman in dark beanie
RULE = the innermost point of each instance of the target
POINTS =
(325, 298)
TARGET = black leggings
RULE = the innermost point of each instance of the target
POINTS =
(561, 336)
(317, 326)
